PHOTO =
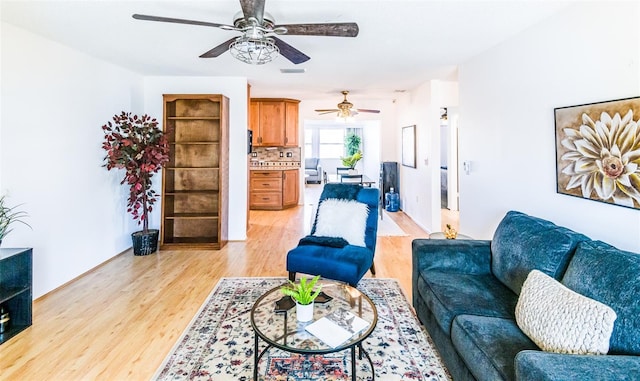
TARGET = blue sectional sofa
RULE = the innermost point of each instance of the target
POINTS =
(465, 293)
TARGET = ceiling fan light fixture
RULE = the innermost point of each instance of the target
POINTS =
(254, 51)
(344, 113)
(346, 119)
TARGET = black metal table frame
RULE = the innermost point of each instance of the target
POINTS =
(270, 343)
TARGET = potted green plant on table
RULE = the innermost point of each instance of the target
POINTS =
(136, 144)
(352, 146)
(304, 294)
(351, 161)
(8, 217)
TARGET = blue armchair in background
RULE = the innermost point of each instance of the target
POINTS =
(333, 256)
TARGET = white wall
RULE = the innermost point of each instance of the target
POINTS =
(234, 88)
(588, 53)
(54, 102)
(420, 186)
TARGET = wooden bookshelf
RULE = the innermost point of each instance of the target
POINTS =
(195, 181)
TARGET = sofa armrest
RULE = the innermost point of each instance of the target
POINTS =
(455, 255)
(541, 366)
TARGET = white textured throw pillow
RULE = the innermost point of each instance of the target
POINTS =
(560, 320)
(342, 218)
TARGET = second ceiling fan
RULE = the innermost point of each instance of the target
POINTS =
(345, 108)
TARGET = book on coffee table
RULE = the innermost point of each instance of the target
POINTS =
(337, 327)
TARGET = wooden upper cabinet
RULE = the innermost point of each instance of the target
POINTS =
(291, 124)
(254, 122)
(271, 124)
(274, 122)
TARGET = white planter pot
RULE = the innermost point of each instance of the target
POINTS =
(304, 312)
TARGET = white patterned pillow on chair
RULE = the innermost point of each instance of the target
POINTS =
(560, 320)
(342, 218)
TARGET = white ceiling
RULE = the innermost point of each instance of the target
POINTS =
(401, 43)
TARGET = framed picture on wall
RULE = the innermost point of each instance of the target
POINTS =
(598, 151)
(409, 146)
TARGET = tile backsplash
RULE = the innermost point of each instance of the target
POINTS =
(276, 154)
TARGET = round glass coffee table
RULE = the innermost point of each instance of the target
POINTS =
(273, 318)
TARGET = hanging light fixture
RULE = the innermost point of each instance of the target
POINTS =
(254, 51)
(253, 47)
(345, 115)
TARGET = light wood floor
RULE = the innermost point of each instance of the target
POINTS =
(120, 320)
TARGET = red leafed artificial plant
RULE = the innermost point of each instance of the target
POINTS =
(136, 144)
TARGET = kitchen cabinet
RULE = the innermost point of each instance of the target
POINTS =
(291, 124)
(274, 122)
(265, 190)
(273, 189)
(290, 187)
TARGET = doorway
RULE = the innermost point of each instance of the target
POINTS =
(449, 181)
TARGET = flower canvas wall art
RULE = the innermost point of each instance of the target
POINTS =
(598, 151)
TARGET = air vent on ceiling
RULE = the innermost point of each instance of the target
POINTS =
(292, 71)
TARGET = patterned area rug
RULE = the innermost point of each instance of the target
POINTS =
(218, 344)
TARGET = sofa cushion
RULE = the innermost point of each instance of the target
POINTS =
(450, 294)
(560, 320)
(488, 345)
(348, 263)
(522, 243)
(547, 366)
(611, 276)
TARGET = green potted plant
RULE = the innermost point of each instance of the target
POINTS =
(351, 161)
(10, 216)
(352, 147)
(136, 144)
(352, 143)
(304, 294)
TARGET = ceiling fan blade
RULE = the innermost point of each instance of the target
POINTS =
(182, 21)
(327, 112)
(215, 52)
(289, 52)
(365, 110)
(345, 29)
(253, 8)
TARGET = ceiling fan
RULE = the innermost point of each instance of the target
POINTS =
(258, 43)
(345, 110)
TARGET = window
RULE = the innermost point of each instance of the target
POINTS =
(331, 143)
(326, 142)
(308, 142)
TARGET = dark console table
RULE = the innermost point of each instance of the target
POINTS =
(16, 296)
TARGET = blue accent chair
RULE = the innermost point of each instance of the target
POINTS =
(326, 256)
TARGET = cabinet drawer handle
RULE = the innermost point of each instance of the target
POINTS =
(266, 185)
(265, 198)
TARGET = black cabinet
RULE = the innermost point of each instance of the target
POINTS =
(388, 179)
(16, 296)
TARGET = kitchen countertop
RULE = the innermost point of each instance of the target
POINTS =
(273, 165)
